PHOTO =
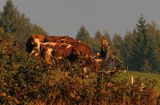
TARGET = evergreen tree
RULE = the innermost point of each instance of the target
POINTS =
(0, 13)
(98, 35)
(143, 47)
(83, 35)
(15, 22)
(97, 41)
(141, 25)
(128, 45)
(154, 46)
(139, 49)
(118, 47)
(9, 16)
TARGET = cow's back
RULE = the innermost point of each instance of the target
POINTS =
(53, 38)
(69, 40)
(82, 49)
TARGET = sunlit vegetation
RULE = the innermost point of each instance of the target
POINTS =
(24, 81)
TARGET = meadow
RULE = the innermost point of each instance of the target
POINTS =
(144, 76)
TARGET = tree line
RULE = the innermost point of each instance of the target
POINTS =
(139, 49)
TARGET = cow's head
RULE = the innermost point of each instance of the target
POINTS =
(33, 42)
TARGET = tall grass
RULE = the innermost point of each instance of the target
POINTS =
(144, 76)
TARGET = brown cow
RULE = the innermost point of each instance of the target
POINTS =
(79, 50)
(82, 49)
(35, 39)
(65, 51)
(56, 50)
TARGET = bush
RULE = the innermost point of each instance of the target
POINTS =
(24, 81)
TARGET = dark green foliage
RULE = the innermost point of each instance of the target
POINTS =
(17, 23)
(153, 46)
(97, 41)
(141, 47)
(10, 17)
(118, 47)
(128, 44)
(141, 25)
(83, 35)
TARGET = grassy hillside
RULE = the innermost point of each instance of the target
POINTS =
(143, 76)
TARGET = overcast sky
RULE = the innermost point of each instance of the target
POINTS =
(66, 16)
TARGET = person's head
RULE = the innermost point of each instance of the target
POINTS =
(104, 42)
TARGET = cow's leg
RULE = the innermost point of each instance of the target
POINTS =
(38, 57)
(59, 64)
(33, 51)
(59, 59)
(68, 65)
(46, 53)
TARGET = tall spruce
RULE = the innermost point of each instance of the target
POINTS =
(10, 16)
(142, 47)
(139, 58)
(17, 23)
(83, 35)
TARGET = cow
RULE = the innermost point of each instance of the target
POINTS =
(35, 40)
(44, 46)
(46, 49)
(57, 52)
(69, 51)
(34, 43)
(62, 50)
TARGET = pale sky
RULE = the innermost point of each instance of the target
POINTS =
(65, 17)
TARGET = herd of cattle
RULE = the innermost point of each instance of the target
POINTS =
(51, 48)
